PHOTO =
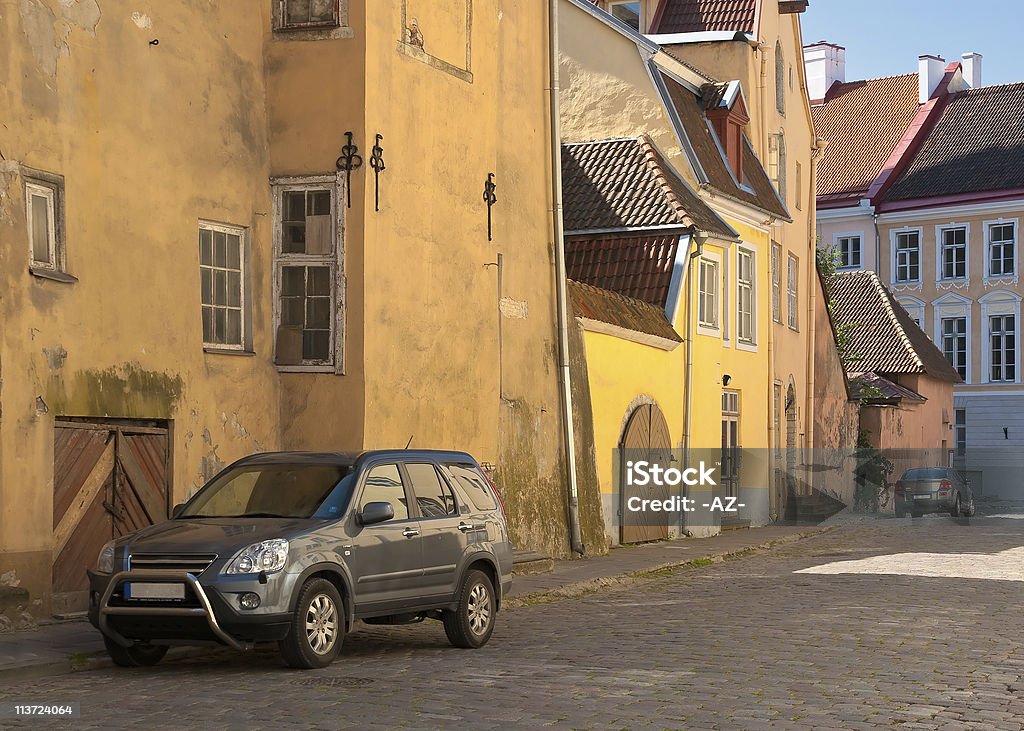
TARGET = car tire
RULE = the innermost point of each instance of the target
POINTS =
(138, 655)
(317, 627)
(471, 624)
(955, 510)
(972, 510)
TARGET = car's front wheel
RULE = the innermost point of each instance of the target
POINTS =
(955, 510)
(317, 629)
(471, 624)
(138, 655)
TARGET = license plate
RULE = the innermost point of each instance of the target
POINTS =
(154, 591)
(922, 497)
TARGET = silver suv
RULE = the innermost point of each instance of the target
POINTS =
(293, 547)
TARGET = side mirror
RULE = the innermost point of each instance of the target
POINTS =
(177, 509)
(375, 513)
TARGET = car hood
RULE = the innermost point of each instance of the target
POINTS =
(222, 536)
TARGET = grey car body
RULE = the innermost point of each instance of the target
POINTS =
(400, 569)
(925, 490)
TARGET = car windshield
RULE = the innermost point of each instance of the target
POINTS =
(275, 491)
(925, 473)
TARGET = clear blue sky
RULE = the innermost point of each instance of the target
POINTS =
(885, 37)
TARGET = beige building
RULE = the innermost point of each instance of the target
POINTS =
(202, 265)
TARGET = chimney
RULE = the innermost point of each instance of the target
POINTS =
(971, 64)
(930, 70)
(825, 64)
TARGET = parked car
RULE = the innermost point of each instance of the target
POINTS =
(934, 490)
(295, 547)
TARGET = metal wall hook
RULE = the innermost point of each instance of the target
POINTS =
(350, 160)
(377, 163)
(490, 199)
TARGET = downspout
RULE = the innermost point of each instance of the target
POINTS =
(763, 152)
(698, 238)
(772, 436)
(575, 535)
(812, 299)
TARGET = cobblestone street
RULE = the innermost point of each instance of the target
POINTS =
(741, 644)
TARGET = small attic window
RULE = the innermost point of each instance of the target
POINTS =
(629, 13)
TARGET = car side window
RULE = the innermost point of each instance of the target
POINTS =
(434, 498)
(384, 485)
(474, 485)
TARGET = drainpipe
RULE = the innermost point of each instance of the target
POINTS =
(698, 237)
(812, 299)
(575, 535)
(762, 49)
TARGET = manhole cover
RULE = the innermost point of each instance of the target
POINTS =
(334, 681)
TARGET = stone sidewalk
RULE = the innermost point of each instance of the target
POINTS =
(63, 647)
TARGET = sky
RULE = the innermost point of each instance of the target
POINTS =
(885, 37)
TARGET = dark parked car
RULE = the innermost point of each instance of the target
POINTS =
(934, 490)
(294, 547)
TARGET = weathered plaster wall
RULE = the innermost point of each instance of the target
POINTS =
(150, 138)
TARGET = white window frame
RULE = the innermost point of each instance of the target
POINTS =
(940, 252)
(334, 184)
(959, 431)
(723, 298)
(708, 327)
(777, 163)
(746, 343)
(245, 343)
(893, 257)
(793, 292)
(776, 282)
(994, 304)
(915, 308)
(837, 240)
(51, 187)
(34, 190)
(947, 307)
(1001, 279)
(643, 12)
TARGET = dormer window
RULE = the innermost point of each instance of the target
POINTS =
(629, 13)
(727, 112)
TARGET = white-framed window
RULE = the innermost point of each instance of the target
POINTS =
(630, 12)
(777, 163)
(707, 294)
(724, 305)
(915, 308)
(306, 14)
(308, 274)
(222, 274)
(44, 216)
(951, 259)
(954, 343)
(1000, 316)
(850, 250)
(960, 431)
(1001, 248)
(792, 292)
(746, 300)
(780, 79)
(776, 282)
(906, 256)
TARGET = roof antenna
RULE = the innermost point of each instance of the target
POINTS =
(409, 442)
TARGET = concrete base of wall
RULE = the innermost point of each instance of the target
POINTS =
(26, 581)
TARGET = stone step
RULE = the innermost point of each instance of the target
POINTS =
(526, 562)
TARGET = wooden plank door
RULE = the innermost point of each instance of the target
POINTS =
(646, 438)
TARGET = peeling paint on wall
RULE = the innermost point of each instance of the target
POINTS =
(514, 309)
(142, 20)
(48, 36)
(55, 356)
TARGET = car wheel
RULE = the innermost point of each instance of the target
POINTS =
(972, 509)
(138, 655)
(317, 627)
(470, 625)
(955, 510)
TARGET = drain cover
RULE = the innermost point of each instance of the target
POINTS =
(333, 681)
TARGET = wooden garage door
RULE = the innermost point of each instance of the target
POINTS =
(646, 437)
(108, 480)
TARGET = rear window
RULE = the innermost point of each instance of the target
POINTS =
(474, 485)
(925, 473)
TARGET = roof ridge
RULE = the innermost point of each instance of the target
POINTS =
(886, 301)
(654, 162)
(993, 87)
(599, 142)
(877, 78)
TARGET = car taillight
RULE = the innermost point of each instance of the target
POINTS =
(900, 487)
(494, 489)
(945, 485)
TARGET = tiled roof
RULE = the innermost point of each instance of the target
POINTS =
(603, 305)
(634, 266)
(862, 122)
(758, 189)
(695, 16)
(883, 337)
(977, 145)
(628, 184)
(873, 387)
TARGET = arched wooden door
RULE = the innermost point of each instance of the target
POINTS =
(646, 437)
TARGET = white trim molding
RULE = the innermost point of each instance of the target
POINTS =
(942, 282)
(994, 304)
(950, 306)
(860, 253)
(703, 328)
(908, 285)
(1001, 280)
(915, 307)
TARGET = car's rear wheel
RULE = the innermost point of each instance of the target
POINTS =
(138, 655)
(955, 510)
(471, 624)
(972, 509)
(317, 628)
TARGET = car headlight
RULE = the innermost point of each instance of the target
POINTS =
(105, 561)
(269, 556)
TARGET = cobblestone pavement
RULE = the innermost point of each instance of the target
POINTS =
(741, 644)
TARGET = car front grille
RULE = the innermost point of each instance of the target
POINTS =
(193, 563)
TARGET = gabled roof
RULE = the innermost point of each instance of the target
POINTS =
(872, 387)
(884, 339)
(977, 145)
(627, 184)
(638, 266)
(594, 303)
(862, 121)
(756, 188)
(698, 16)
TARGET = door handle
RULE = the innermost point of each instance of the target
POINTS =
(410, 532)
(466, 527)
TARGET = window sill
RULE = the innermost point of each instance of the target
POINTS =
(228, 351)
(748, 347)
(53, 275)
(305, 369)
(321, 33)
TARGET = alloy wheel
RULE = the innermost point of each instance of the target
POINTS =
(321, 624)
(479, 609)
